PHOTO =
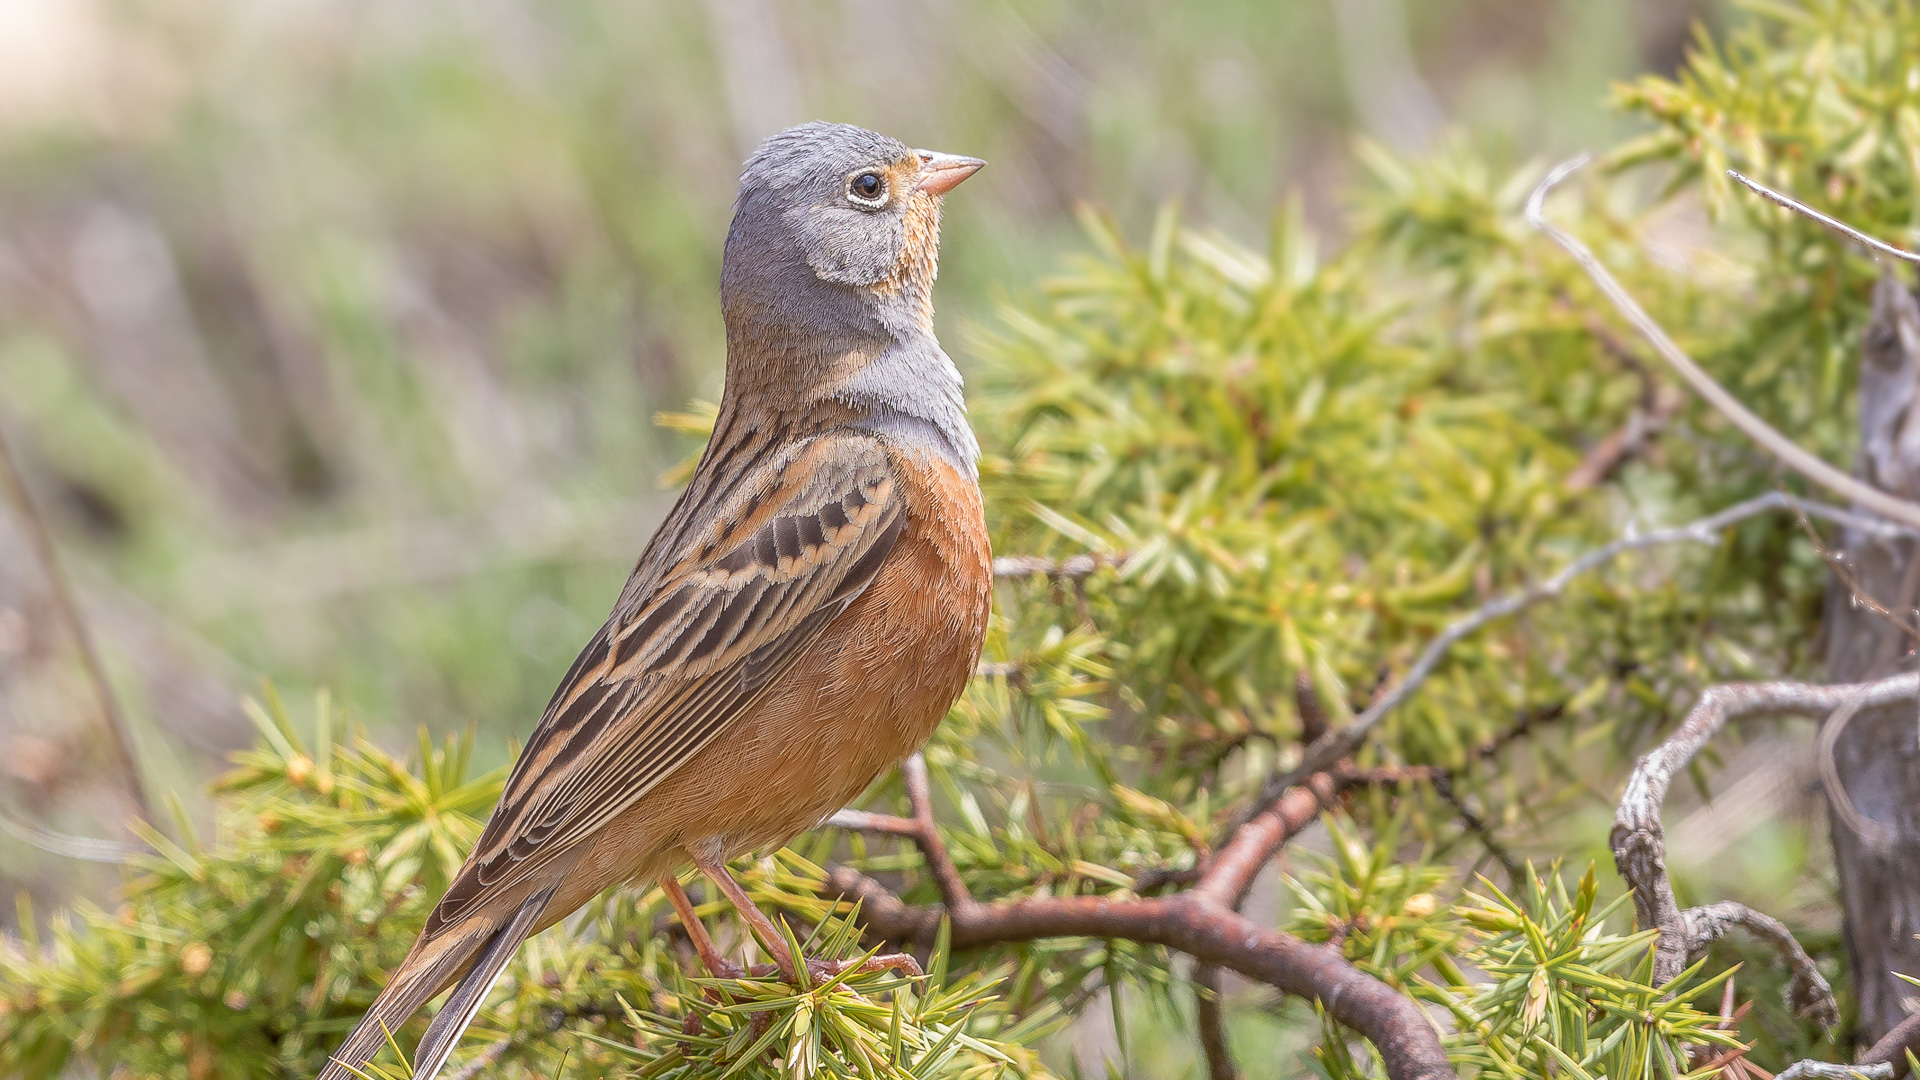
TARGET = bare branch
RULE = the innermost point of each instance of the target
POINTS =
(42, 540)
(1190, 923)
(1808, 995)
(1876, 835)
(1323, 752)
(482, 1061)
(1211, 1020)
(1229, 874)
(920, 828)
(1835, 224)
(1893, 1046)
(1827, 1070)
(1638, 839)
(1771, 440)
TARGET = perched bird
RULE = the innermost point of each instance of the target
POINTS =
(801, 620)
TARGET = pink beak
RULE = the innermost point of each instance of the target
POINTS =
(941, 173)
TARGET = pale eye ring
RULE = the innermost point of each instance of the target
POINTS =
(868, 188)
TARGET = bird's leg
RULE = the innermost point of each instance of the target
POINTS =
(776, 943)
(757, 921)
(716, 965)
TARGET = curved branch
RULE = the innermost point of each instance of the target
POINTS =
(920, 828)
(1202, 922)
(1190, 923)
(40, 538)
(1211, 1020)
(1329, 748)
(1638, 839)
(1833, 223)
(1785, 450)
(1893, 1047)
(1229, 874)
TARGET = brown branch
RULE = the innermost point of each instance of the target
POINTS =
(1190, 923)
(1325, 751)
(920, 828)
(1835, 224)
(1613, 451)
(1228, 876)
(1211, 1020)
(1639, 841)
(1893, 1046)
(1201, 922)
(41, 538)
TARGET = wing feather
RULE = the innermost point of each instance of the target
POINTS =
(669, 672)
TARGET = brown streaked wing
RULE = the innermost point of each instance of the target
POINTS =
(663, 679)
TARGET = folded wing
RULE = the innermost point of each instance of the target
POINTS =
(669, 672)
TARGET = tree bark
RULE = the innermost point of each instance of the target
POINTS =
(1876, 756)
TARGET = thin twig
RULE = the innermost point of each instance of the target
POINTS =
(1782, 448)
(1835, 224)
(1323, 752)
(1189, 922)
(1894, 1046)
(1210, 1018)
(1858, 593)
(1443, 786)
(42, 540)
(920, 828)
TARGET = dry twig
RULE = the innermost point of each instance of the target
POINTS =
(42, 540)
(1323, 752)
(1639, 841)
(1785, 450)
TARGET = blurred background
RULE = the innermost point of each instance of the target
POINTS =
(332, 335)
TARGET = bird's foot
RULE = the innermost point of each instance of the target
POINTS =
(898, 963)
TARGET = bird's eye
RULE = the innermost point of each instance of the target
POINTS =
(867, 188)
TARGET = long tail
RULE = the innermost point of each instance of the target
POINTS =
(422, 975)
(452, 1019)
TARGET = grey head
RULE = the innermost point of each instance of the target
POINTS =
(827, 279)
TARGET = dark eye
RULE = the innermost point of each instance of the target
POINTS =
(867, 187)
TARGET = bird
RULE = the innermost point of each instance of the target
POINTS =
(800, 621)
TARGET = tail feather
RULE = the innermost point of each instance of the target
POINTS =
(452, 1019)
(424, 974)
